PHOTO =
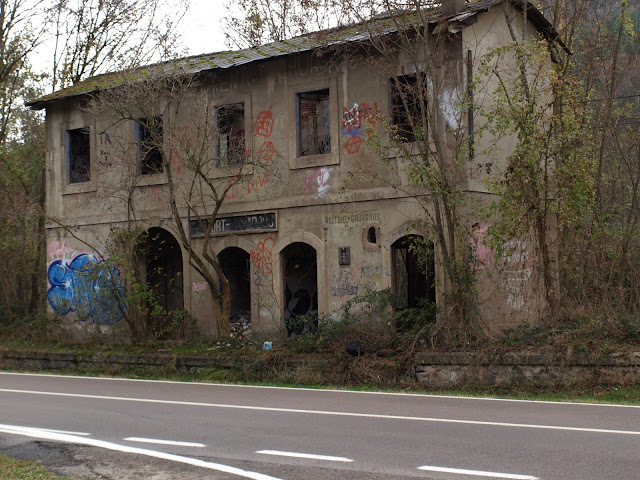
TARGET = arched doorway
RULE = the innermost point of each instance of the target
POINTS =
(300, 280)
(235, 264)
(162, 263)
(413, 271)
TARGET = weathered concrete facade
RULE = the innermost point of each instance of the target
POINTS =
(320, 220)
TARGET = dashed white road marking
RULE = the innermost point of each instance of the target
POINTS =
(48, 435)
(477, 473)
(332, 390)
(328, 413)
(311, 456)
(164, 442)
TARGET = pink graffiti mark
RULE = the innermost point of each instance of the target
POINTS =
(315, 178)
(259, 181)
(235, 188)
(261, 257)
(484, 255)
(59, 250)
(151, 193)
(199, 286)
(264, 123)
(266, 153)
(184, 140)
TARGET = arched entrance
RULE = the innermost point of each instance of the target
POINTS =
(413, 271)
(300, 280)
(162, 267)
(235, 264)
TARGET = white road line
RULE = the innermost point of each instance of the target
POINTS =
(324, 412)
(477, 473)
(164, 442)
(311, 456)
(38, 433)
(83, 434)
(355, 392)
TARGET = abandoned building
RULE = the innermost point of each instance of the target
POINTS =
(321, 220)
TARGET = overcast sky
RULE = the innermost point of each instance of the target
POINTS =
(202, 27)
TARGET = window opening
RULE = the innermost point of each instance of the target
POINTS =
(314, 134)
(230, 135)
(371, 235)
(149, 133)
(79, 155)
(406, 115)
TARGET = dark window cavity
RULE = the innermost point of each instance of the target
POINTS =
(78, 155)
(230, 135)
(406, 114)
(149, 136)
(314, 134)
(371, 235)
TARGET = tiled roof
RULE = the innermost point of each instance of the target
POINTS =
(303, 43)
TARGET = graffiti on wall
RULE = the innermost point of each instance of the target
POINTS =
(317, 179)
(88, 287)
(344, 284)
(353, 121)
(262, 256)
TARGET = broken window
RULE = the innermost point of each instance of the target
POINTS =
(406, 115)
(314, 135)
(230, 136)
(149, 138)
(78, 155)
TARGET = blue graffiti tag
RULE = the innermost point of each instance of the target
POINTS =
(88, 287)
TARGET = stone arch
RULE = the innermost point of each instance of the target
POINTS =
(299, 236)
(244, 248)
(161, 267)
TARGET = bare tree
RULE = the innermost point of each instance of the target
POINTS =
(195, 142)
(94, 36)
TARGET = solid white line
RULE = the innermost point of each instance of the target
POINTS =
(477, 473)
(164, 442)
(64, 431)
(324, 412)
(311, 456)
(355, 392)
(37, 433)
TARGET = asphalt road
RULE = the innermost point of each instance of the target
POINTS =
(191, 431)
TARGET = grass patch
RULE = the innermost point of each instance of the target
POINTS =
(21, 470)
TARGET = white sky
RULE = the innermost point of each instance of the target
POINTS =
(201, 30)
(202, 27)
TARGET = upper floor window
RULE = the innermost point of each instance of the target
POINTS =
(230, 135)
(149, 138)
(406, 115)
(313, 118)
(78, 155)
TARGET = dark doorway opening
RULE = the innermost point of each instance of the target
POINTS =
(235, 264)
(413, 266)
(162, 259)
(300, 288)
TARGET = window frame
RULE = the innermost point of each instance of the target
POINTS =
(319, 160)
(221, 162)
(140, 129)
(70, 134)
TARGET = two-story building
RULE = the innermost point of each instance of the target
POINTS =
(315, 214)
